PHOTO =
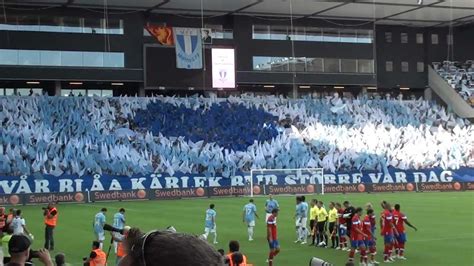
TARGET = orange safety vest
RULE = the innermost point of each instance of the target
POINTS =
(231, 263)
(51, 221)
(121, 252)
(100, 259)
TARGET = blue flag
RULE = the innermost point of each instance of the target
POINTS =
(188, 48)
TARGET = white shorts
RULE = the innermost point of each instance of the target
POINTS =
(210, 230)
(100, 236)
(251, 224)
(301, 222)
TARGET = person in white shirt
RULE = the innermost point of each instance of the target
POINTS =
(19, 225)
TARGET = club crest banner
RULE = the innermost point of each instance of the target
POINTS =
(188, 45)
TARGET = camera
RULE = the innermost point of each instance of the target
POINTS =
(34, 254)
(108, 227)
(319, 262)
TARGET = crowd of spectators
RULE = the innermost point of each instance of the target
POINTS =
(213, 136)
(460, 76)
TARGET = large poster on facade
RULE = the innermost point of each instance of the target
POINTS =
(162, 34)
(223, 68)
(188, 45)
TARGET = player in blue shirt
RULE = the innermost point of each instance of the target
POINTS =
(270, 204)
(210, 226)
(248, 216)
(297, 219)
(119, 219)
(99, 222)
(304, 219)
(119, 223)
(301, 219)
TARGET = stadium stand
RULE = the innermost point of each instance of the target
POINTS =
(460, 76)
(126, 136)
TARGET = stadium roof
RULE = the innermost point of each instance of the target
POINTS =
(398, 12)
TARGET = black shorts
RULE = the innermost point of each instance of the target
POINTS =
(311, 224)
(320, 226)
(332, 227)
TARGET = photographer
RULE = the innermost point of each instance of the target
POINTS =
(50, 219)
(19, 249)
(97, 256)
(168, 248)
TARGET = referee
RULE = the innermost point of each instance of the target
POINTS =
(321, 225)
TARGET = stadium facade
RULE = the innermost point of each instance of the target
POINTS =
(66, 47)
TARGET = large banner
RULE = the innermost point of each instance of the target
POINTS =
(188, 184)
(188, 45)
(223, 68)
(163, 34)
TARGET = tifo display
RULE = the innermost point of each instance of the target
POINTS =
(222, 137)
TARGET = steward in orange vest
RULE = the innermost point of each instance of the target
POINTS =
(121, 239)
(234, 257)
(97, 256)
(50, 221)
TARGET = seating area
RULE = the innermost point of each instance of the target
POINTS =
(214, 136)
(460, 77)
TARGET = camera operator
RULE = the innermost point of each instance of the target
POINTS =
(97, 256)
(50, 219)
(19, 248)
(120, 239)
(168, 248)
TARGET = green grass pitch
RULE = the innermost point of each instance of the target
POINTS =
(445, 221)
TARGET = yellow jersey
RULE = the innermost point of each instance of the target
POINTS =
(332, 215)
(322, 215)
(313, 213)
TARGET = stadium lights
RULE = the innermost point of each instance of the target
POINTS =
(305, 87)
(269, 86)
(404, 88)
(75, 83)
(338, 87)
(33, 82)
(191, 88)
(161, 88)
(117, 83)
(372, 88)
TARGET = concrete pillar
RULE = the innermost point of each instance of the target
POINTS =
(428, 94)
(295, 91)
(141, 91)
(57, 88)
